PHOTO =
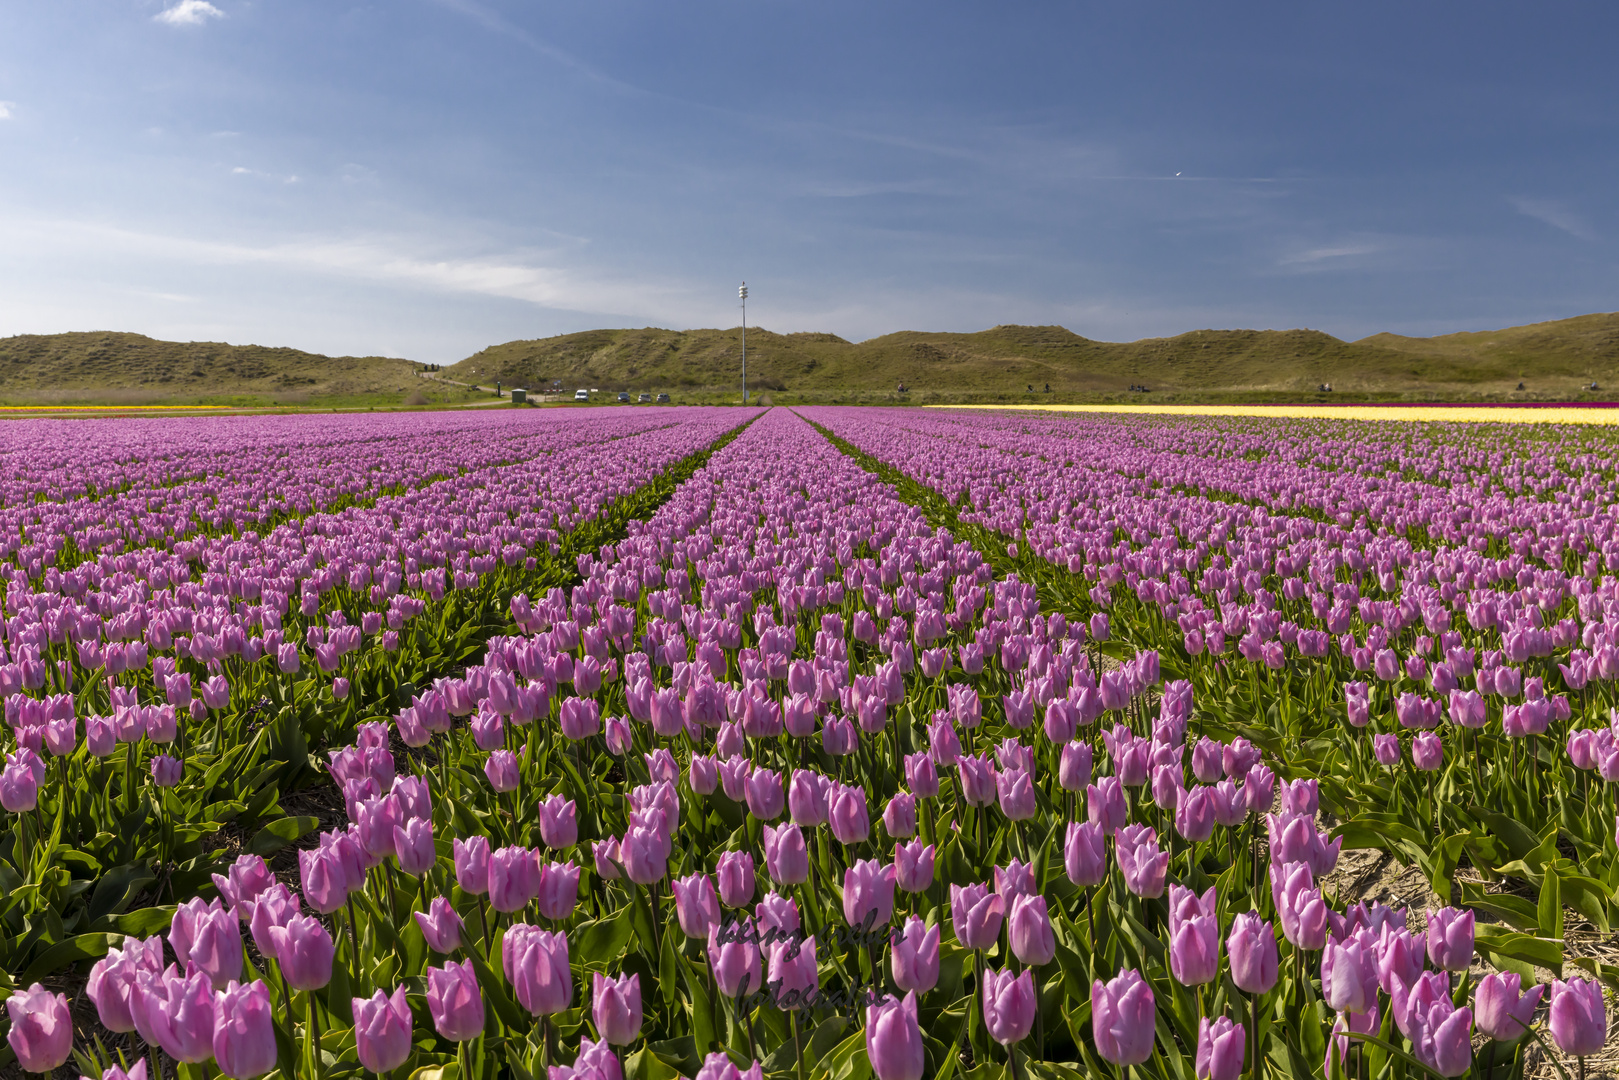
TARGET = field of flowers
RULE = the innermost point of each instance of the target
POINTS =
(830, 744)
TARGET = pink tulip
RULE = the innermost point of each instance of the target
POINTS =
(244, 1030)
(559, 825)
(913, 866)
(1579, 1018)
(735, 872)
(1030, 932)
(1450, 939)
(976, 915)
(1141, 861)
(514, 879)
(536, 966)
(977, 778)
(1349, 974)
(786, 856)
(1221, 1048)
(558, 892)
(382, 1031)
(1500, 1011)
(894, 1039)
(696, 905)
(440, 925)
(1251, 945)
(899, 818)
(1085, 854)
(1122, 1018)
(41, 1029)
(868, 894)
(455, 1001)
(472, 864)
(616, 1008)
(305, 951)
(915, 957)
(413, 847)
(1104, 802)
(503, 771)
(735, 961)
(847, 817)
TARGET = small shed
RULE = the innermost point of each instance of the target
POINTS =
(519, 396)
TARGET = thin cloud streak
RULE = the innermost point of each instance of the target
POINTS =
(1554, 213)
(391, 260)
(1324, 254)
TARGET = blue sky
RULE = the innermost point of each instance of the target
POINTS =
(425, 177)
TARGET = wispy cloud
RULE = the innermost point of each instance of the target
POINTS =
(242, 170)
(1328, 254)
(499, 24)
(189, 13)
(533, 276)
(1556, 214)
(5, 109)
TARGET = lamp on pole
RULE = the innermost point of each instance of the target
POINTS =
(743, 294)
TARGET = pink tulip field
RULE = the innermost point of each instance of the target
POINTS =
(822, 744)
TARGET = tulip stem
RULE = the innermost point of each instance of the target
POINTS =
(354, 939)
(286, 996)
(798, 1047)
(314, 1037)
(1253, 1034)
(483, 923)
(1090, 921)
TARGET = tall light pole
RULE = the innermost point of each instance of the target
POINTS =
(743, 293)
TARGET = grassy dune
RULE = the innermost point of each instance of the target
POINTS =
(1553, 360)
(99, 367)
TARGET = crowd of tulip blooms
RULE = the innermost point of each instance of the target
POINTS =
(915, 745)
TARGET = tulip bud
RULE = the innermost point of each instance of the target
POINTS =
(305, 951)
(455, 1001)
(1122, 1018)
(615, 1007)
(735, 872)
(244, 1031)
(41, 1029)
(536, 965)
(440, 926)
(1030, 932)
(1579, 1019)
(1221, 1046)
(915, 957)
(382, 1031)
(894, 1039)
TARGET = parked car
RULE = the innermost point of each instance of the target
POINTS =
(581, 395)
(625, 398)
(663, 399)
(644, 398)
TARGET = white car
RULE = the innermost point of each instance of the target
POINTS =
(581, 395)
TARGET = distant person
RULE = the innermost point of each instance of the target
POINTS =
(1048, 388)
(1031, 388)
(901, 388)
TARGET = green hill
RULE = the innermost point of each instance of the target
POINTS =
(1554, 361)
(129, 369)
